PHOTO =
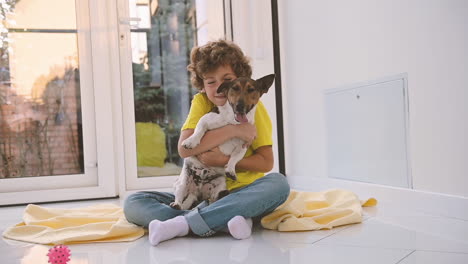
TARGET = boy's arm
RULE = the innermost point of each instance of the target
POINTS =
(216, 137)
(260, 161)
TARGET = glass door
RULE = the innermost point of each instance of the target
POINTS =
(156, 40)
(47, 115)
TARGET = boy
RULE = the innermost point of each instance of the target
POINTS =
(252, 195)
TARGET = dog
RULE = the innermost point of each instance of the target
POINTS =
(198, 182)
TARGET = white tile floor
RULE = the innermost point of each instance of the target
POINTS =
(390, 234)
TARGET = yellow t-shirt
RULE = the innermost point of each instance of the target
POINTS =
(201, 105)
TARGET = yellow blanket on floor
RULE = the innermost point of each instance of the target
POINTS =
(98, 223)
(317, 210)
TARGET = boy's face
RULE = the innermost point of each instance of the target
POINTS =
(212, 80)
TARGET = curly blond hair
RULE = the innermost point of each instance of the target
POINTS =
(206, 58)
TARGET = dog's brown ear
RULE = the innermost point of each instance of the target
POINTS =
(224, 87)
(265, 82)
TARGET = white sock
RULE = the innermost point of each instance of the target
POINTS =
(239, 227)
(162, 231)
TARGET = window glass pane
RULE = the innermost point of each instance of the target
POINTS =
(161, 45)
(40, 14)
(40, 108)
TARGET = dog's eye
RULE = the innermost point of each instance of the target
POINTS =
(250, 90)
(235, 88)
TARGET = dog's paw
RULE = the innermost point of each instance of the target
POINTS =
(222, 193)
(231, 174)
(175, 205)
(190, 143)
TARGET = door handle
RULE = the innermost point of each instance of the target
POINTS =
(129, 20)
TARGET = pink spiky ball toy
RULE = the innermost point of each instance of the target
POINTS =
(59, 254)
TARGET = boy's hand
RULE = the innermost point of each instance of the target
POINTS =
(246, 132)
(213, 158)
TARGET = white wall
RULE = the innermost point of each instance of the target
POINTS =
(328, 44)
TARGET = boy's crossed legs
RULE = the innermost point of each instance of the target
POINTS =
(232, 211)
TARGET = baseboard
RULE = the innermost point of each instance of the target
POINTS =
(434, 203)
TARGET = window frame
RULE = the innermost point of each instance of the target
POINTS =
(99, 180)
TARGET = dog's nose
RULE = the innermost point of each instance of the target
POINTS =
(240, 107)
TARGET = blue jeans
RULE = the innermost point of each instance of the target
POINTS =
(254, 200)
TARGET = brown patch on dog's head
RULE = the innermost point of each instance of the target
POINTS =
(243, 94)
